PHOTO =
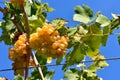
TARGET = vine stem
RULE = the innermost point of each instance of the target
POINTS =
(38, 66)
(27, 28)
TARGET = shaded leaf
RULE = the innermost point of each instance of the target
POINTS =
(93, 41)
(58, 23)
(58, 61)
(71, 31)
(75, 56)
(88, 11)
(106, 30)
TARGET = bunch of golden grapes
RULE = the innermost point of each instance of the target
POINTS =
(18, 1)
(18, 55)
(47, 41)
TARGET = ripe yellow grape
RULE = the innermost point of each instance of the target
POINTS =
(47, 41)
(18, 54)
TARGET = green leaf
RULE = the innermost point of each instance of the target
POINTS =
(58, 23)
(115, 24)
(95, 16)
(81, 18)
(88, 11)
(93, 41)
(72, 31)
(71, 75)
(58, 61)
(106, 30)
(83, 14)
(119, 39)
(18, 77)
(49, 75)
(103, 20)
(98, 63)
(8, 30)
(92, 53)
(50, 9)
(28, 9)
(63, 31)
(75, 56)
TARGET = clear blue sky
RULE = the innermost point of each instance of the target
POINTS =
(64, 9)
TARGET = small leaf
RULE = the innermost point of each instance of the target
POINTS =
(95, 16)
(59, 23)
(98, 63)
(49, 75)
(83, 14)
(49, 59)
(58, 61)
(115, 16)
(18, 77)
(88, 11)
(119, 39)
(75, 56)
(70, 75)
(81, 18)
(71, 31)
(103, 20)
(92, 53)
(50, 9)
(106, 30)
(92, 41)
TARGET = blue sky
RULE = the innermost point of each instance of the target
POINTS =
(64, 9)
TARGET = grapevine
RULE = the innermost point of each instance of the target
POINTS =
(37, 41)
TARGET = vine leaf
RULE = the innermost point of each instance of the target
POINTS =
(93, 42)
(81, 18)
(91, 53)
(83, 14)
(106, 30)
(49, 75)
(71, 75)
(103, 20)
(75, 56)
(18, 77)
(98, 64)
(71, 31)
(59, 23)
(58, 61)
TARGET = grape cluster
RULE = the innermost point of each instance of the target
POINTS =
(18, 55)
(18, 1)
(47, 41)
